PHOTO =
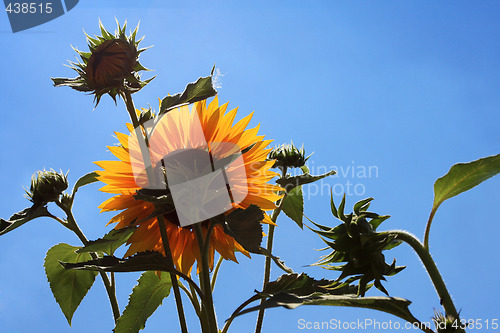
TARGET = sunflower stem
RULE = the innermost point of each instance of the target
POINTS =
(142, 139)
(428, 229)
(207, 304)
(269, 247)
(432, 270)
(216, 272)
(110, 287)
(173, 277)
(196, 304)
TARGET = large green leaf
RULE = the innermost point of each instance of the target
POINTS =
(110, 242)
(460, 178)
(293, 205)
(146, 296)
(68, 286)
(293, 290)
(201, 89)
(393, 305)
(18, 219)
(143, 261)
(463, 177)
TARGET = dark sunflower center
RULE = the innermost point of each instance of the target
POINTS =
(193, 177)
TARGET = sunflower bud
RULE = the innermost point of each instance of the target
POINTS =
(357, 243)
(447, 323)
(47, 186)
(289, 156)
(111, 67)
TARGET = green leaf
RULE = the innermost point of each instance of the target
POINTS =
(463, 177)
(110, 242)
(293, 290)
(89, 178)
(194, 92)
(69, 287)
(289, 183)
(146, 296)
(293, 205)
(245, 227)
(22, 217)
(277, 261)
(143, 261)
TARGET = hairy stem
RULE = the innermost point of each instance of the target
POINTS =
(216, 272)
(269, 247)
(173, 277)
(207, 304)
(142, 139)
(432, 270)
(110, 287)
(428, 229)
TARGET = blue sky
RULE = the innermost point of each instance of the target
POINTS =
(408, 88)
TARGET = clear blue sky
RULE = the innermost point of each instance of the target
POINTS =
(406, 87)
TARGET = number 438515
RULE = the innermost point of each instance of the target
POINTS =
(29, 8)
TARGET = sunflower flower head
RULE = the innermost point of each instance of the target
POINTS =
(47, 186)
(203, 164)
(110, 67)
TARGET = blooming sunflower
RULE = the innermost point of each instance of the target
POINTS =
(201, 130)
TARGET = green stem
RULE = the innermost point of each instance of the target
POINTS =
(432, 270)
(204, 275)
(173, 277)
(428, 229)
(216, 272)
(142, 139)
(143, 144)
(196, 305)
(73, 226)
(192, 297)
(269, 247)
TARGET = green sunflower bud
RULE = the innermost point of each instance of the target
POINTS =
(47, 186)
(446, 324)
(111, 67)
(288, 156)
(357, 244)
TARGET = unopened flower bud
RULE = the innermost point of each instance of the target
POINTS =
(110, 67)
(289, 156)
(47, 186)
